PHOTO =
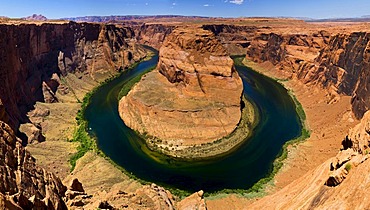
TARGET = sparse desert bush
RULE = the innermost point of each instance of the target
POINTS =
(348, 167)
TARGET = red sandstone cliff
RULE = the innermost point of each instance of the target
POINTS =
(34, 57)
(338, 62)
(152, 34)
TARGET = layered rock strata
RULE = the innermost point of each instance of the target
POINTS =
(192, 98)
(34, 58)
(152, 34)
(337, 62)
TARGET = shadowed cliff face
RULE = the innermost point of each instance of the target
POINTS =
(33, 61)
(33, 58)
(152, 34)
(339, 62)
(346, 63)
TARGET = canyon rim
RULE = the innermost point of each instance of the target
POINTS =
(46, 68)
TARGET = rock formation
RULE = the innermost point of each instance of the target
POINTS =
(193, 96)
(34, 57)
(146, 197)
(235, 38)
(338, 62)
(335, 60)
(36, 17)
(359, 137)
(24, 185)
(32, 132)
(152, 34)
(194, 201)
(340, 183)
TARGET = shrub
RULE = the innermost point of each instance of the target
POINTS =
(348, 167)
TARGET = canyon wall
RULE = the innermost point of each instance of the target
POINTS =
(338, 62)
(235, 38)
(333, 60)
(152, 34)
(34, 58)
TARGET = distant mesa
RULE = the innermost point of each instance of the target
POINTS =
(193, 97)
(119, 18)
(36, 17)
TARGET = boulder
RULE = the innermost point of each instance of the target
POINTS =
(194, 201)
(76, 186)
(33, 132)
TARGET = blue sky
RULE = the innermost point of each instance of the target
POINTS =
(214, 8)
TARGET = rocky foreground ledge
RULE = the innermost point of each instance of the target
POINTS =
(192, 98)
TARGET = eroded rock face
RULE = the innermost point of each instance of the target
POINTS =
(32, 132)
(22, 183)
(188, 52)
(359, 136)
(194, 95)
(338, 62)
(345, 62)
(35, 57)
(152, 34)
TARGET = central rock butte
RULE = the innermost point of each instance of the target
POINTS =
(193, 97)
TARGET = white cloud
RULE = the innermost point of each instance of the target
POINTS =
(174, 4)
(206, 5)
(146, 4)
(239, 2)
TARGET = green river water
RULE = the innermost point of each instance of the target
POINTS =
(242, 168)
